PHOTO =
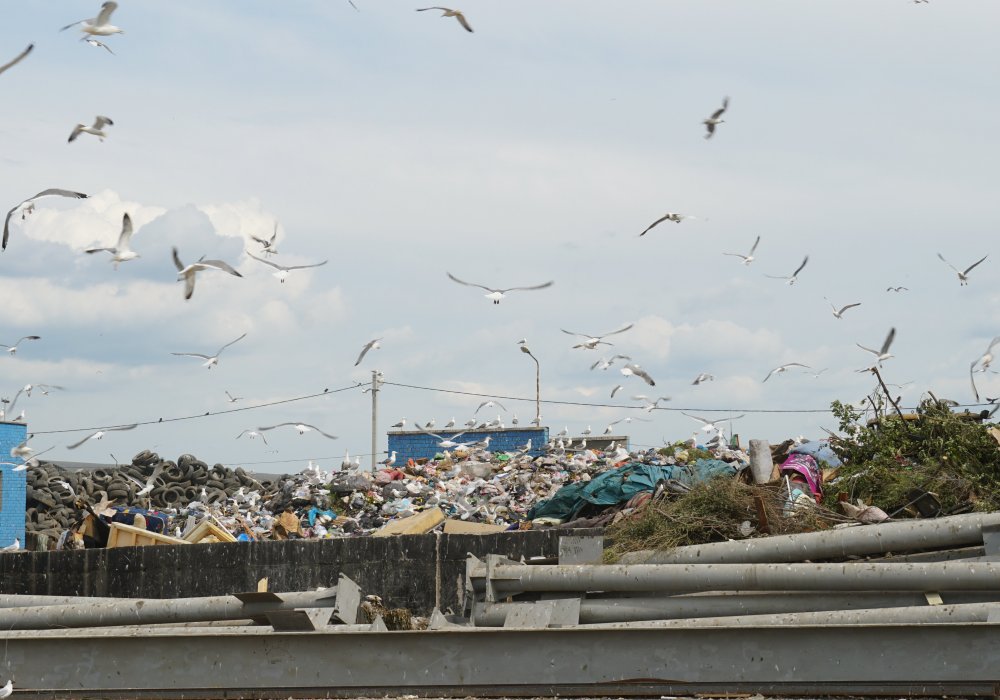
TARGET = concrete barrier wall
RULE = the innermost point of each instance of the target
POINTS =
(418, 572)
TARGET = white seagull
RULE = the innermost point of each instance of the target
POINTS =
(883, 354)
(17, 59)
(447, 12)
(267, 244)
(189, 272)
(708, 425)
(669, 216)
(232, 399)
(703, 377)
(592, 341)
(635, 370)
(370, 345)
(29, 201)
(283, 270)
(489, 404)
(839, 313)
(748, 258)
(445, 443)
(451, 423)
(121, 252)
(616, 390)
(100, 434)
(714, 120)
(983, 362)
(650, 405)
(963, 275)
(302, 429)
(402, 424)
(795, 275)
(605, 363)
(253, 435)
(97, 129)
(12, 349)
(97, 44)
(210, 360)
(897, 289)
(784, 368)
(98, 26)
(149, 484)
(495, 295)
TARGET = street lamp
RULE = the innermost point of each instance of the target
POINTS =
(538, 372)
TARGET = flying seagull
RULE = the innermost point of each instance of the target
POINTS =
(497, 294)
(883, 354)
(703, 377)
(605, 363)
(253, 435)
(97, 44)
(446, 12)
(839, 313)
(121, 252)
(489, 404)
(592, 341)
(43, 193)
(149, 484)
(783, 368)
(302, 429)
(616, 390)
(188, 273)
(100, 434)
(983, 362)
(708, 425)
(210, 360)
(897, 289)
(232, 399)
(669, 216)
(98, 25)
(748, 258)
(17, 59)
(97, 129)
(283, 270)
(267, 244)
(12, 349)
(963, 275)
(795, 275)
(370, 345)
(630, 370)
(714, 120)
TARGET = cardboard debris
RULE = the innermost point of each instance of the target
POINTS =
(463, 527)
(418, 524)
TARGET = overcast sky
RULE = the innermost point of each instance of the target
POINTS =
(400, 147)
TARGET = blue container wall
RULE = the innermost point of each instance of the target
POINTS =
(12, 489)
(409, 445)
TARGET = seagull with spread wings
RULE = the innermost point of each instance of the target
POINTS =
(253, 435)
(267, 244)
(121, 252)
(709, 425)
(97, 129)
(839, 313)
(100, 25)
(12, 349)
(883, 354)
(97, 44)
(29, 201)
(100, 434)
(302, 429)
(715, 120)
(283, 270)
(189, 272)
(784, 368)
(17, 59)
(983, 363)
(210, 360)
(669, 216)
(963, 275)
(370, 345)
(795, 275)
(748, 258)
(592, 341)
(447, 12)
(632, 370)
(495, 295)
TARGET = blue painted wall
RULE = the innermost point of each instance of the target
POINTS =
(417, 445)
(12, 490)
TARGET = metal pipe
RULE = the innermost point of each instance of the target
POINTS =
(22, 600)
(507, 579)
(937, 533)
(152, 611)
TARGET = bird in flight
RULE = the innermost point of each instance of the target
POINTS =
(253, 435)
(495, 295)
(631, 370)
(983, 363)
(963, 275)
(784, 368)
(283, 270)
(17, 59)
(29, 201)
(489, 404)
(210, 360)
(97, 129)
(121, 252)
(100, 25)
(12, 349)
(232, 399)
(748, 258)
(188, 272)
(447, 12)
(302, 429)
(669, 216)
(703, 377)
(592, 341)
(897, 289)
(795, 275)
(370, 345)
(100, 434)
(709, 425)
(883, 354)
(267, 244)
(97, 44)
(839, 313)
(715, 120)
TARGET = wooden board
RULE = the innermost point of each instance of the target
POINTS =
(128, 536)
(418, 524)
(461, 527)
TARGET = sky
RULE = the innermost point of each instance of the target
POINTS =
(399, 147)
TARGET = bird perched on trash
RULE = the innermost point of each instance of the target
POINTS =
(302, 429)
(715, 120)
(963, 275)
(592, 341)
(882, 354)
(13, 547)
(390, 460)
(283, 270)
(669, 216)
(17, 59)
(100, 25)
(795, 275)
(121, 252)
(839, 313)
(210, 360)
(189, 272)
(447, 12)
(100, 434)
(52, 192)
(784, 368)
(496, 295)
(748, 258)
(370, 345)
(97, 129)
(12, 349)
(635, 370)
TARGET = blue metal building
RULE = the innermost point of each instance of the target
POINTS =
(13, 485)
(416, 444)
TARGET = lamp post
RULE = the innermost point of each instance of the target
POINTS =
(538, 374)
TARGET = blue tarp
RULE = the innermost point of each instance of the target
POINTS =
(619, 485)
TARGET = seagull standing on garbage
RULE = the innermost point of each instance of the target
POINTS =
(100, 25)
(839, 313)
(983, 362)
(97, 129)
(748, 258)
(592, 341)
(12, 349)
(635, 370)
(448, 12)
(963, 275)
(17, 59)
(795, 275)
(669, 216)
(52, 192)
(121, 252)
(496, 295)
(390, 460)
(715, 119)
(189, 272)
(283, 270)
(210, 360)
(784, 368)
(883, 354)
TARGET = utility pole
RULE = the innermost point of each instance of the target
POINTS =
(374, 415)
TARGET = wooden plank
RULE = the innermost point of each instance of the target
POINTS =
(461, 527)
(418, 524)
(122, 535)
